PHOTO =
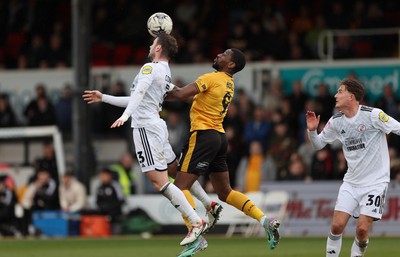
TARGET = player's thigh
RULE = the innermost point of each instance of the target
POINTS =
(219, 164)
(373, 200)
(200, 151)
(150, 148)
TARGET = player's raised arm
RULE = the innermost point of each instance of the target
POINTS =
(312, 121)
(185, 94)
(95, 96)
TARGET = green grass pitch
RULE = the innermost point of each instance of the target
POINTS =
(169, 246)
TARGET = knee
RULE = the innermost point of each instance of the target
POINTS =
(337, 228)
(362, 232)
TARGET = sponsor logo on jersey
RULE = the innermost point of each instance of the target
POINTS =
(353, 144)
(383, 117)
(147, 69)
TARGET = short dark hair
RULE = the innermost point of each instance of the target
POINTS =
(239, 59)
(355, 87)
(168, 44)
(106, 170)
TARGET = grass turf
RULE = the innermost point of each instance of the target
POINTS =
(169, 246)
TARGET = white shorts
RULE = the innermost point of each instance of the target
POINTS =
(153, 150)
(368, 201)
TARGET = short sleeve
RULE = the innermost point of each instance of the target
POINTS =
(203, 82)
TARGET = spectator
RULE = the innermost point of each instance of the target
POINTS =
(64, 110)
(388, 102)
(125, 173)
(337, 18)
(280, 148)
(8, 201)
(276, 46)
(339, 165)
(322, 165)
(110, 198)
(297, 98)
(35, 53)
(48, 162)
(258, 129)
(296, 168)
(306, 152)
(245, 105)
(325, 102)
(178, 131)
(72, 193)
(342, 49)
(312, 36)
(56, 55)
(41, 194)
(110, 113)
(40, 111)
(7, 115)
(237, 38)
(250, 171)
(256, 40)
(273, 96)
(302, 23)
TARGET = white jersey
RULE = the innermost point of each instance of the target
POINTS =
(364, 144)
(148, 91)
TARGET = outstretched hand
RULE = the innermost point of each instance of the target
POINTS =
(92, 96)
(312, 120)
(117, 123)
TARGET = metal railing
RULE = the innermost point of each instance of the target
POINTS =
(326, 39)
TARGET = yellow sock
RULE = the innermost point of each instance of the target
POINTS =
(190, 199)
(243, 203)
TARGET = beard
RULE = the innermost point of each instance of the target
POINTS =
(215, 65)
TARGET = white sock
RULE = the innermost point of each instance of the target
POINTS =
(358, 248)
(198, 192)
(333, 245)
(178, 200)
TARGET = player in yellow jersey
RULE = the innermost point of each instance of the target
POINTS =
(206, 149)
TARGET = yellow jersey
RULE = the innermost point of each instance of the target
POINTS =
(209, 107)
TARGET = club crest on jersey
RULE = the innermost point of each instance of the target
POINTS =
(383, 117)
(147, 69)
(361, 128)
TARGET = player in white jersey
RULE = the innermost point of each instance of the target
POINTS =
(150, 134)
(362, 131)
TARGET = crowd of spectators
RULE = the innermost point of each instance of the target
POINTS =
(276, 125)
(37, 33)
(46, 190)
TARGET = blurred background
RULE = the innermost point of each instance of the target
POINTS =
(297, 52)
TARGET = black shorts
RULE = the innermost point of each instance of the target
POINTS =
(204, 152)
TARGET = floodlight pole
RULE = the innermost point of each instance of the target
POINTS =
(83, 162)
